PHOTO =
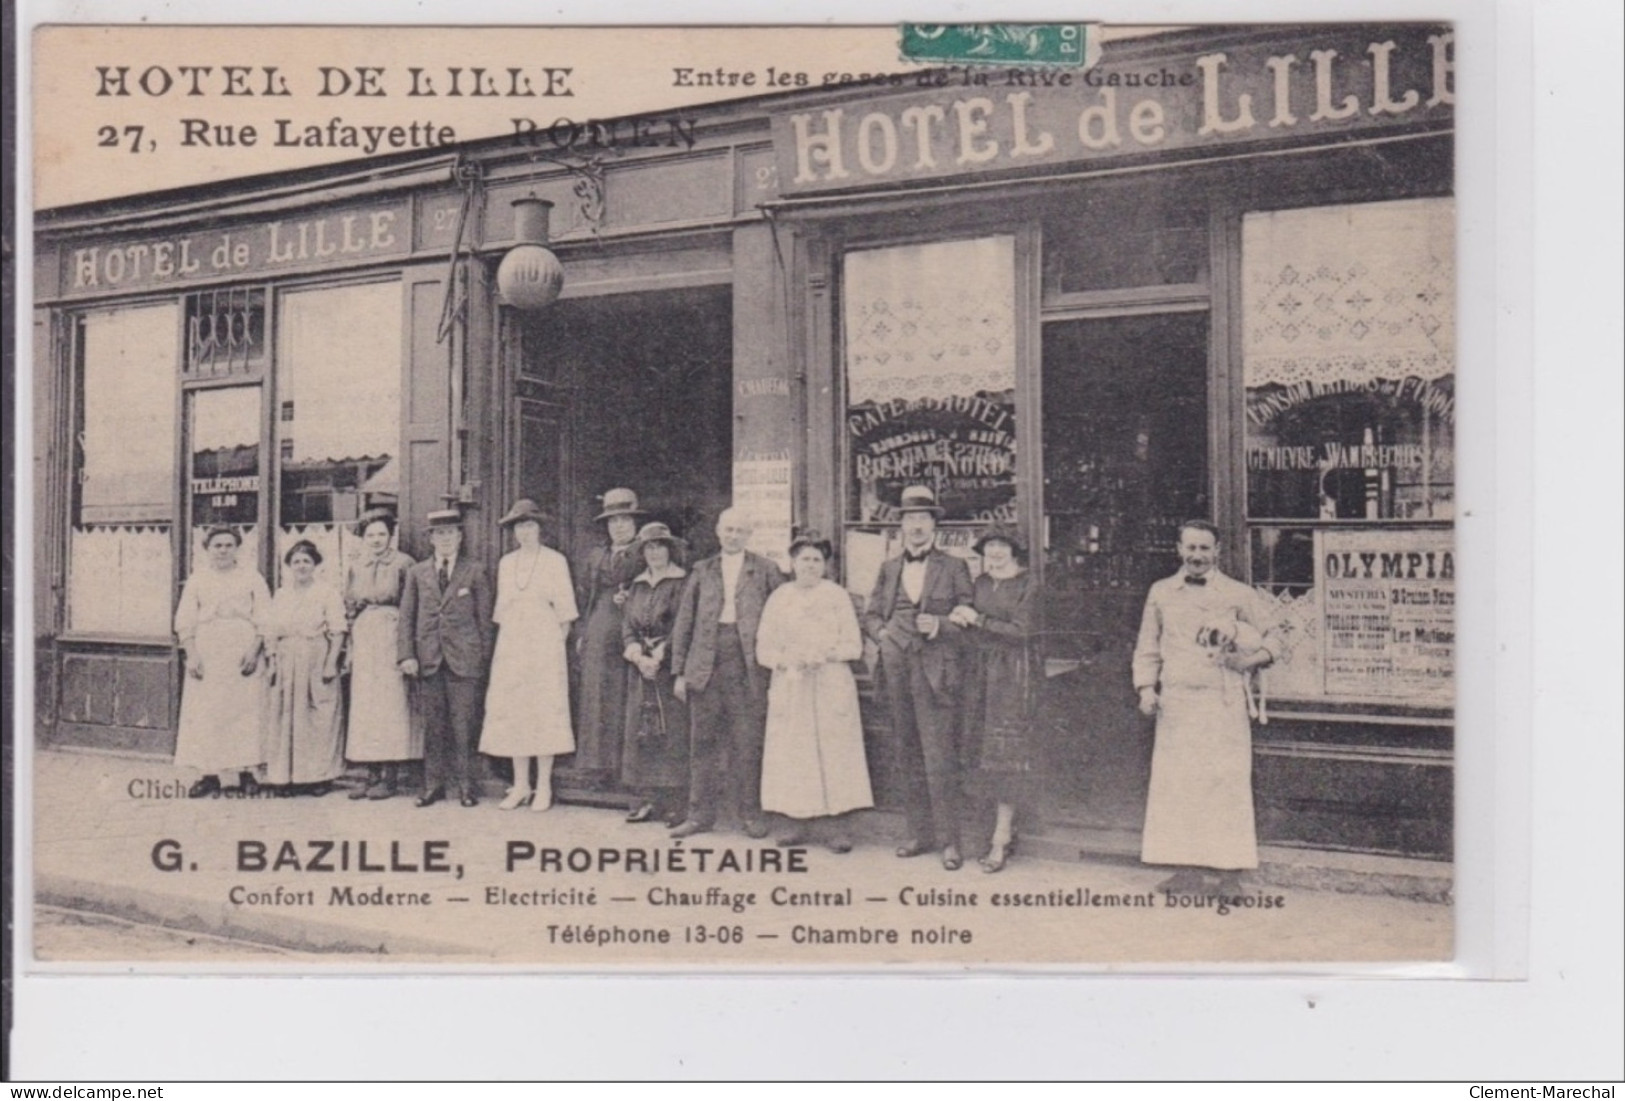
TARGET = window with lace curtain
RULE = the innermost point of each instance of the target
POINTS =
(930, 346)
(120, 561)
(1349, 364)
(338, 417)
(1349, 361)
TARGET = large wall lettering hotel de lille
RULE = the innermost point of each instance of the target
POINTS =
(1214, 277)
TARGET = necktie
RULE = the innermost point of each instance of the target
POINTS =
(445, 573)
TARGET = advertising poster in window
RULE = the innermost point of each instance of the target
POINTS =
(427, 415)
(1390, 608)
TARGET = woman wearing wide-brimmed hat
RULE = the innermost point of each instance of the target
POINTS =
(654, 756)
(605, 584)
(1002, 621)
(527, 705)
(381, 733)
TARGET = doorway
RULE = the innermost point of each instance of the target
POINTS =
(629, 390)
(1125, 458)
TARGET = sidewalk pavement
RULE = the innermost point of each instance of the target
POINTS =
(107, 831)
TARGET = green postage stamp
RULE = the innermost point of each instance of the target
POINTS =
(1000, 43)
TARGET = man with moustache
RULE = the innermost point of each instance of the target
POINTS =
(1201, 636)
(444, 638)
(920, 664)
(713, 665)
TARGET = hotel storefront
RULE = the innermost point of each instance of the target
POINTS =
(1215, 278)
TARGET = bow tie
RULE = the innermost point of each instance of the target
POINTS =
(911, 558)
(1189, 580)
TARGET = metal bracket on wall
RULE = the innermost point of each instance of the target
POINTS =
(587, 184)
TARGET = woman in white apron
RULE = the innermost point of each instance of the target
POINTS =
(219, 624)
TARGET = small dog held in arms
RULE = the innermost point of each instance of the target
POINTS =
(1232, 643)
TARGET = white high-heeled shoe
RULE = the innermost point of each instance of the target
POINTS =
(516, 798)
(542, 802)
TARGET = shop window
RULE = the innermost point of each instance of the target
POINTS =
(1349, 367)
(120, 561)
(929, 339)
(338, 419)
(1114, 237)
(225, 332)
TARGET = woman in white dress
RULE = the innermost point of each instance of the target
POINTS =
(381, 733)
(219, 622)
(527, 706)
(813, 764)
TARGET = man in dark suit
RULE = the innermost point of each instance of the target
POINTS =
(713, 658)
(444, 640)
(907, 617)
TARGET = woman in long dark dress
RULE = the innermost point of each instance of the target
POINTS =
(605, 584)
(654, 758)
(381, 733)
(1002, 620)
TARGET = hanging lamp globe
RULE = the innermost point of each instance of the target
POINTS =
(530, 276)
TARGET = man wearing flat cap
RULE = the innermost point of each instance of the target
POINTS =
(444, 639)
(920, 657)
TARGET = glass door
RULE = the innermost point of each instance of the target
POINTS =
(1125, 426)
(225, 468)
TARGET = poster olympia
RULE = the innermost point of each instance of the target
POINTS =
(1048, 316)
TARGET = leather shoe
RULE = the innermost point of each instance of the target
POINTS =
(641, 813)
(689, 829)
(912, 847)
(1185, 881)
(204, 787)
(469, 799)
(429, 798)
(756, 829)
(951, 860)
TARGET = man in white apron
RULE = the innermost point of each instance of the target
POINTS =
(1202, 635)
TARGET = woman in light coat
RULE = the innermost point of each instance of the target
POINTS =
(527, 705)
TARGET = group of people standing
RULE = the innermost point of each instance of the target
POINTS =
(721, 684)
(742, 690)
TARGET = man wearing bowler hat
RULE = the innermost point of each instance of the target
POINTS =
(920, 659)
(444, 639)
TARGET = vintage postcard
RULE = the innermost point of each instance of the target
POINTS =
(796, 497)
